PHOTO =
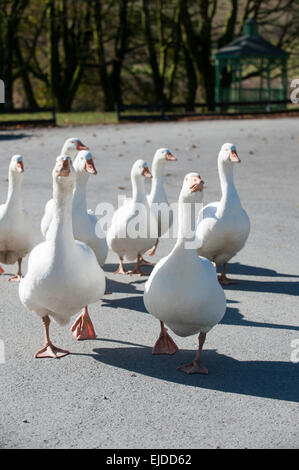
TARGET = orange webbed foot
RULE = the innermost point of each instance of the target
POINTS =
(143, 262)
(137, 272)
(194, 367)
(83, 328)
(51, 351)
(165, 344)
(16, 278)
(152, 251)
(1, 270)
(225, 281)
(121, 270)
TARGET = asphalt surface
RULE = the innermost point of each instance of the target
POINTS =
(111, 392)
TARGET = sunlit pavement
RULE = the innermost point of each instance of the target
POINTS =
(111, 392)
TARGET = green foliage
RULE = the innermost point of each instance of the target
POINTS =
(93, 53)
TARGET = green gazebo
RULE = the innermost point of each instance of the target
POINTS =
(260, 58)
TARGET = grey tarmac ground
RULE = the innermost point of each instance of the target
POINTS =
(111, 392)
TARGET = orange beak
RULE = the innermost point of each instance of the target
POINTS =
(81, 146)
(146, 172)
(63, 169)
(196, 184)
(170, 157)
(20, 167)
(90, 168)
(234, 156)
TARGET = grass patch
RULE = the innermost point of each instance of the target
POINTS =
(24, 116)
(64, 119)
(85, 118)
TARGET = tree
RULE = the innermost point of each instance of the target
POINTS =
(110, 70)
(10, 16)
(69, 42)
(162, 33)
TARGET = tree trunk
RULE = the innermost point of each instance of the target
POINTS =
(99, 41)
(157, 78)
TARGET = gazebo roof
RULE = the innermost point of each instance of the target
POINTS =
(250, 44)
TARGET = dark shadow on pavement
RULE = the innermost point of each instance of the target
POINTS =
(273, 287)
(13, 136)
(245, 270)
(234, 317)
(120, 287)
(275, 380)
(129, 303)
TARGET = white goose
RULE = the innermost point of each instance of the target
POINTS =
(54, 286)
(123, 237)
(16, 231)
(70, 148)
(157, 198)
(84, 223)
(183, 290)
(224, 226)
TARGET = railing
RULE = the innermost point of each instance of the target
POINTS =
(31, 122)
(167, 112)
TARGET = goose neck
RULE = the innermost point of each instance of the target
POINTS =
(61, 229)
(138, 189)
(157, 169)
(228, 189)
(79, 194)
(14, 198)
(187, 221)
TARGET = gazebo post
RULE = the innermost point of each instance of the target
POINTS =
(268, 106)
(234, 87)
(261, 79)
(284, 80)
(217, 84)
(240, 83)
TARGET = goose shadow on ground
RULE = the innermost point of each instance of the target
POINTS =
(13, 136)
(275, 380)
(130, 303)
(116, 287)
(272, 287)
(232, 315)
(246, 270)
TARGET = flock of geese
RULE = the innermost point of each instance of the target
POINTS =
(65, 272)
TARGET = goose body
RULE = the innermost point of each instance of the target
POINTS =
(223, 226)
(133, 228)
(63, 274)
(183, 291)
(53, 286)
(16, 230)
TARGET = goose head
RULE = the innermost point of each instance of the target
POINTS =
(162, 155)
(192, 189)
(228, 154)
(64, 174)
(85, 163)
(16, 167)
(140, 170)
(72, 146)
